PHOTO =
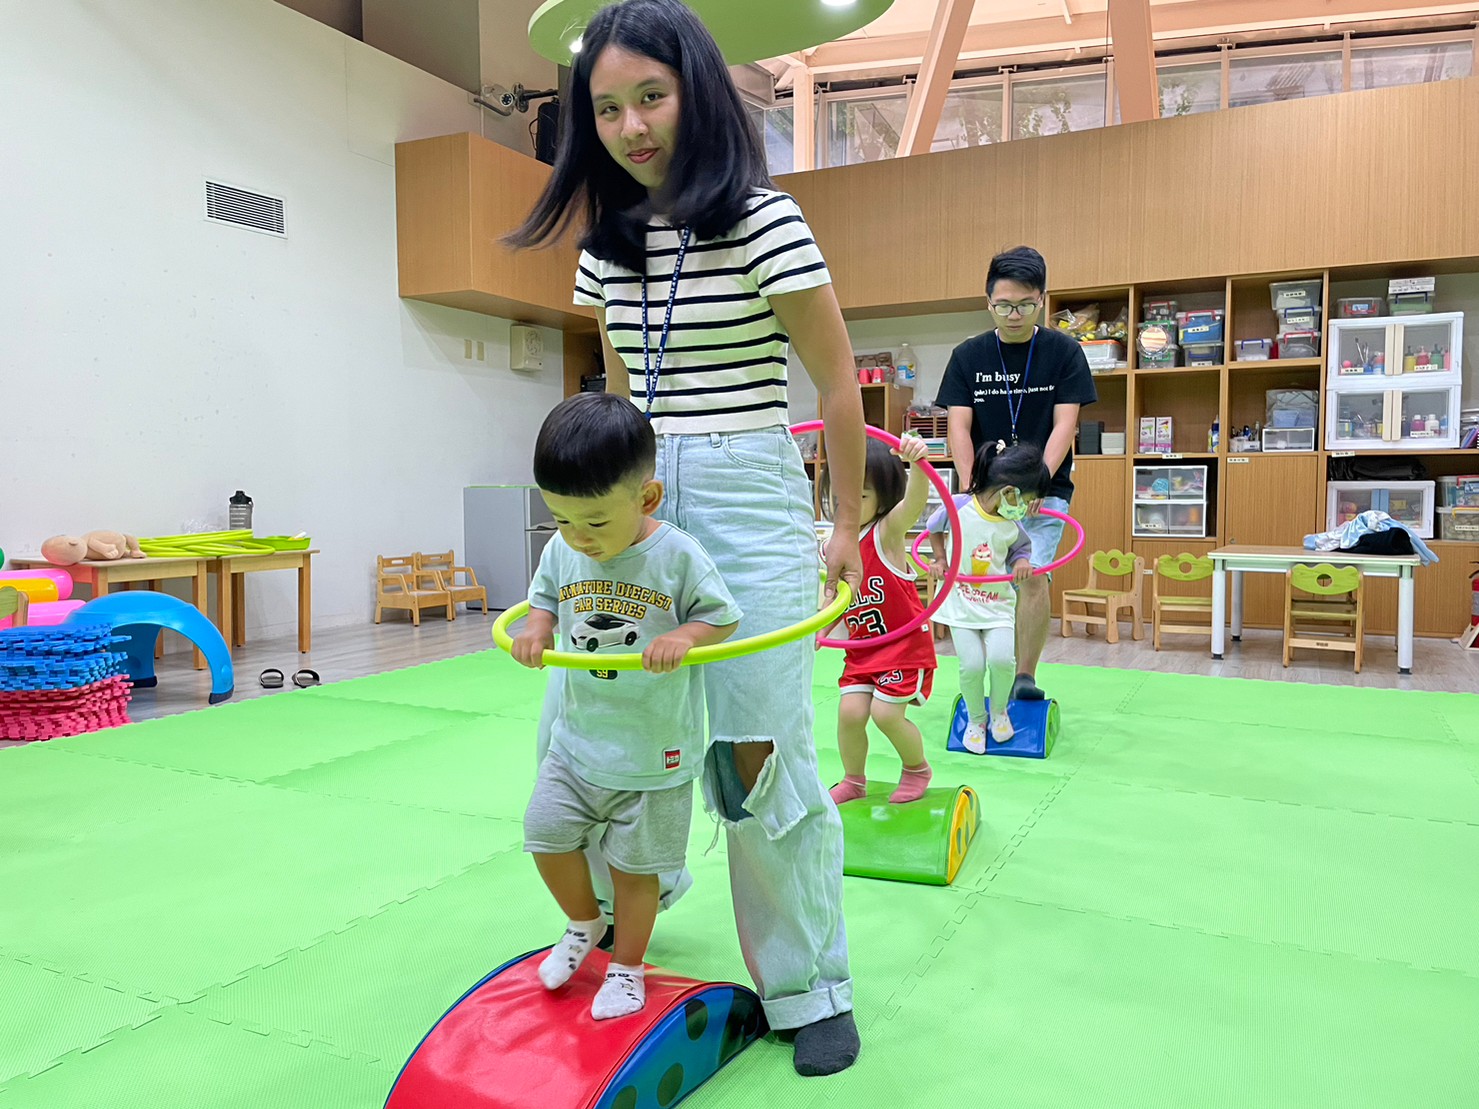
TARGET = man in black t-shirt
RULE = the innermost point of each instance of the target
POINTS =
(1021, 383)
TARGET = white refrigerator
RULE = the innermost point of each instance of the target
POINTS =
(504, 531)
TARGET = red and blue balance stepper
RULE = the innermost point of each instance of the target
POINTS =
(509, 1043)
(1035, 723)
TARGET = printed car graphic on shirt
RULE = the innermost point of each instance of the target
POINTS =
(603, 629)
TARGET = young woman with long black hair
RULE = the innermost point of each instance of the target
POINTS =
(702, 275)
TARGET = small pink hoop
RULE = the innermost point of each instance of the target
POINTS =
(988, 578)
(951, 575)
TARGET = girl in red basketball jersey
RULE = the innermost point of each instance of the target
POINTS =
(879, 683)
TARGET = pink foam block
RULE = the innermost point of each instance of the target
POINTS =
(61, 577)
(47, 614)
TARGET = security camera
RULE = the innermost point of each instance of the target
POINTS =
(497, 98)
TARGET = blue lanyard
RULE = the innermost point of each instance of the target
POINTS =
(1015, 410)
(653, 370)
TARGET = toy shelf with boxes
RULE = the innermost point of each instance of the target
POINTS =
(1394, 383)
(1276, 320)
(1172, 501)
(1100, 320)
(1182, 327)
(1273, 411)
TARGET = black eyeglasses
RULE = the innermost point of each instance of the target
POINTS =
(1003, 308)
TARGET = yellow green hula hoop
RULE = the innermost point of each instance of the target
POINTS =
(719, 652)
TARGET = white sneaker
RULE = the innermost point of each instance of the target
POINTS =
(975, 738)
(1001, 728)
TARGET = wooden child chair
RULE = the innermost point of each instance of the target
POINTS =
(1183, 568)
(1116, 583)
(400, 584)
(16, 605)
(1325, 610)
(445, 566)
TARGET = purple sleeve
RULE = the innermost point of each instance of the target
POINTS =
(1021, 549)
(936, 523)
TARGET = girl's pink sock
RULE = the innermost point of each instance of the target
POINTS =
(851, 788)
(913, 784)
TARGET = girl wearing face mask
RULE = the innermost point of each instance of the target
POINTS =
(982, 618)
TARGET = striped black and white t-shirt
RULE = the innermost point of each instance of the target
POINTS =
(725, 366)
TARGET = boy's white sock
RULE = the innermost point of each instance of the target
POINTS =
(623, 993)
(560, 965)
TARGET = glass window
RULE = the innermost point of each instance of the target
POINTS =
(777, 128)
(1379, 67)
(1255, 79)
(1189, 89)
(1057, 104)
(972, 117)
(864, 130)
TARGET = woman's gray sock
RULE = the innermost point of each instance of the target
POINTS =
(828, 1046)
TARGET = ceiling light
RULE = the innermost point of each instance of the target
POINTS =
(839, 3)
(577, 44)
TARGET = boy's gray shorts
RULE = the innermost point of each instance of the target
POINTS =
(646, 830)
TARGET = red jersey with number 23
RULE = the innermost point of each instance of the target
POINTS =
(887, 600)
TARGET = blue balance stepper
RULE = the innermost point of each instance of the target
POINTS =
(1036, 724)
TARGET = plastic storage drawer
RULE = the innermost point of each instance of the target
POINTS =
(1459, 523)
(1295, 294)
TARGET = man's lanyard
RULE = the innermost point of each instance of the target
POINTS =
(654, 369)
(1013, 409)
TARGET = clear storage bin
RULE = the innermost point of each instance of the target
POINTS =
(1407, 502)
(1460, 524)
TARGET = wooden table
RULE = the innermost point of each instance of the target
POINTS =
(1239, 560)
(102, 576)
(231, 594)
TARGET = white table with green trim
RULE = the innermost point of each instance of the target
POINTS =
(1239, 559)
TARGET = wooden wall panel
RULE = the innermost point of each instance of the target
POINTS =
(1268, 502)
(1099, 505)
(1363, 177)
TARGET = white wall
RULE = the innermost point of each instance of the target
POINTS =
(932, 337)
(151, 363)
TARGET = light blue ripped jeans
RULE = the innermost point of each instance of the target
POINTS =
(746, 498)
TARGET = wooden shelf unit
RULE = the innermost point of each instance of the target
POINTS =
(1275, 498)
(883, 407)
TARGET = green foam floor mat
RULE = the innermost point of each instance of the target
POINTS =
(179, 1059)
(483, 765)
(484, 682)
(1214, 893)
(350, 988)
(1265, 870)
(262, 738)
(175, 905)
(52, 1013)
(1422, 776)
(1159, 1017)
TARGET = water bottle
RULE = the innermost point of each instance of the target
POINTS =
(906, 368)
(240, 512)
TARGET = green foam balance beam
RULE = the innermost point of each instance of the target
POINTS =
(923, 841)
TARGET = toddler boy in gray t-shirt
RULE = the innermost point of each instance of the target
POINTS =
(625, 746)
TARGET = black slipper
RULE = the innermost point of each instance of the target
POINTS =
(305, 678)
(271, 678)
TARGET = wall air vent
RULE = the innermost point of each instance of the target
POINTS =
(243, 208)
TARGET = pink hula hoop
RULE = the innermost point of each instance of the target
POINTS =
(951, 575)
(987, 578)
